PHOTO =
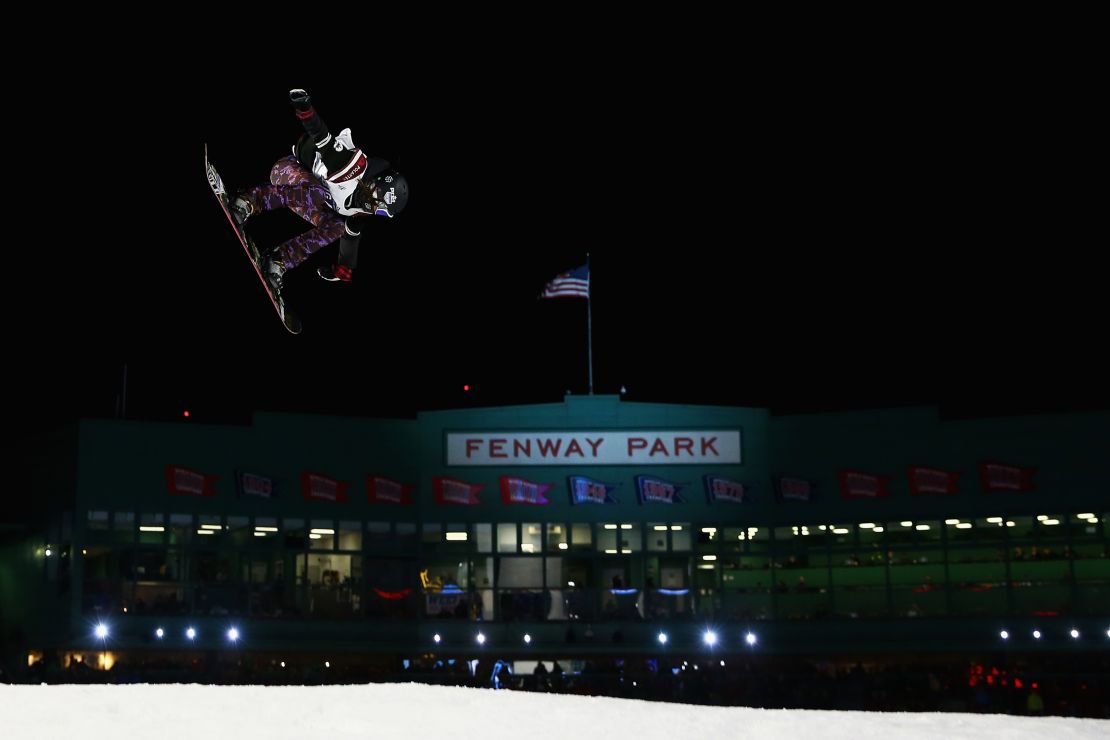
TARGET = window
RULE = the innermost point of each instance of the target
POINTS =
(483, 537)
(681, 537)
(657, 537)
(530, 538)
(123, 526)
(181, 529)
(350, 536)
(321, 534)
(506, 538)
(406, 534)
(152, 529)
(238, 529)
(580, 537)
(557, 538)
(295, 534)
(379, 534)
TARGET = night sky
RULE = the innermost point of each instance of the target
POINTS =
(803, 240)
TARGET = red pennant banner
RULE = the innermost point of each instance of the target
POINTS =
(996, 476)
(388, 491)
(925, 481)
(854, 484)
(451, 491)
(316, 487)
(182, 481)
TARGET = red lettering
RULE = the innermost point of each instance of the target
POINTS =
(659, 447)
(574, 448)
(549, 448)
(707, 444)
(636, 443)
(495, 446)
(472, 446)
(683, 443)
(594, 444)
(519, 447)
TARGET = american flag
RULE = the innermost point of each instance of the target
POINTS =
(573, 284)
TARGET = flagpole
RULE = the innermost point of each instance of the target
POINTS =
(589, 326)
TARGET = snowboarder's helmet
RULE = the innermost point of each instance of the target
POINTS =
(393, 190)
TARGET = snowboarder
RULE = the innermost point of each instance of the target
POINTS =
(332, 184)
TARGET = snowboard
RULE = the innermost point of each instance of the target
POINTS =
(291, 322)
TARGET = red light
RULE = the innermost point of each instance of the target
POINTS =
(186, 413)
(466, 387)
(1034, 685)
(990, 680)
(1018, 684)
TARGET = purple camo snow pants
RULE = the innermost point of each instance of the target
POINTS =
(293, 187)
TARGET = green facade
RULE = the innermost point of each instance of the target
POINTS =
(386, 578)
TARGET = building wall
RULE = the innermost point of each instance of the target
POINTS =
(804, 570)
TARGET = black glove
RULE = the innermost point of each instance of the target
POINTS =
(300, 100)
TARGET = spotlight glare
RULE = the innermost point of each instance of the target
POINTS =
(1036, 634)
(710, 638)
(191, 633)
(1074, 634)
(750, 638)
(436, 638)
(233, 634)
(1004, 635)
(663, 637)
(159, 633)
(527, 639)
(101, 631)
(481, 639)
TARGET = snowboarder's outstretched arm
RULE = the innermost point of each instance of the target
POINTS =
(315, 127)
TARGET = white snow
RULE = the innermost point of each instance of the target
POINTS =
(417, 712)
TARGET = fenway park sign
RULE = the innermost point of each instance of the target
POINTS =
(717, 447)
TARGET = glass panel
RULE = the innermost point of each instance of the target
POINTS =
(210, 530)
(657, 537)
(181, 529)
(607, 534)
(581, 536)
(238, 528)
(631, 539)
(295, 534)
(152, 529)
(123, 526)
(519, 588)
(350, 536)
(681, 537)
(557, 537)
(530, 537)
(483, 535)
(506, 537)
(406, 534)
(379, 534)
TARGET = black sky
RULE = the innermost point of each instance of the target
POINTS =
(806, 238)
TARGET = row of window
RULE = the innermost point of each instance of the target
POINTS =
(612, 538)
(586, 587)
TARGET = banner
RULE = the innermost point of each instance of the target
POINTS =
(925, 481)
(316, 487)
(255, 486)
(657, 490)
(520, 491)
(450, 491)
(854, 484)
(588, 491)
(996, 476)
(381, 490)
(722, 489)
(182, 481)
